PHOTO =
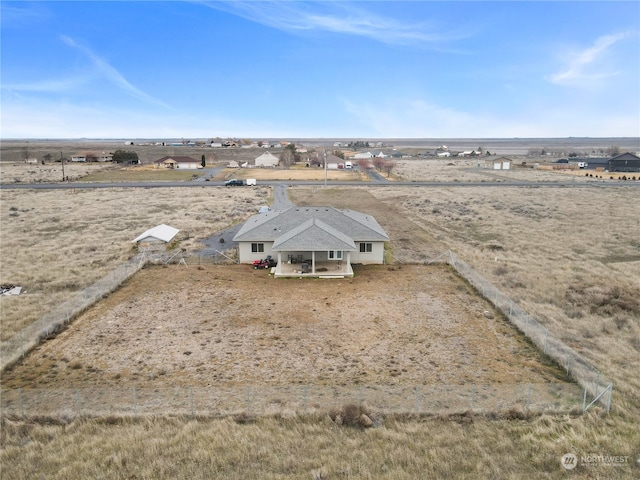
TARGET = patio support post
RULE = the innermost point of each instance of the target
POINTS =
(279, 265)
(313, 262)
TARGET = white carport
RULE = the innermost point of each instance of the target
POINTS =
(160, 234)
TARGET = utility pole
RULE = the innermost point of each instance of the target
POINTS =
(325, 167)
(62, 160)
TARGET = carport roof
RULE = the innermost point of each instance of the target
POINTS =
(162, 232)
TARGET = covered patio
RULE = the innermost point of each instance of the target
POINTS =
(307, 264)
(314, 249)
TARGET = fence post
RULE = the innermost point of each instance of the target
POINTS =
(21, 401)
(609, 399)
(584, 399)
(304, 400)
(510, 308)
(528, 397)
(526, 324)
(135, 407)
(568, 362)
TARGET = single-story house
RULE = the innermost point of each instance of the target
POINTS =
(91, 157)
(312, 241)
(625, 162)
(178, 162)
(363, 155)
(156, 237)
(500, 163)
(267, 159)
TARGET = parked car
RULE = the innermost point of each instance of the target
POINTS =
(234, 182)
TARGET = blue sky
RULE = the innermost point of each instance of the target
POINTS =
(422, 69)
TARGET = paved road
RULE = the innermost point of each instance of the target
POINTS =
(384, 184)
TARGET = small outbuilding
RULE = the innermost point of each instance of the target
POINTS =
(156, 237)
(500, 163)
(267, 159)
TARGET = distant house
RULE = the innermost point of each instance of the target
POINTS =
(178, 162)
(267, 159)
(312, 241)
(470, 153)
(500, 163)
(91, 157)
(363, 155)
(626, 162)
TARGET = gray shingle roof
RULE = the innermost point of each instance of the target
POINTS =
(292, 227)
(313, 234)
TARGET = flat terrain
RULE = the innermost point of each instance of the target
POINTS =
(570, 256)
(233, 325)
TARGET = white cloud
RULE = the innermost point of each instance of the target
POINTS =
(337, 17)
(49, 86)
(413, 118)
(111, 74)
(586, 67)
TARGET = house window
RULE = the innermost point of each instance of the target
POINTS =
(366, 247)
(335, 254)
(257, 247)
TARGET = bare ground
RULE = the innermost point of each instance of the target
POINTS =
(232, 325)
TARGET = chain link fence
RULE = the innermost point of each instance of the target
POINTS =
(29, 337)
(597, 388)
(292, 400)
(265, 400)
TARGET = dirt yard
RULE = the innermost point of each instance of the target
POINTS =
(232, 325)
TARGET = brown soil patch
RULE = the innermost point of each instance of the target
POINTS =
(232, 325)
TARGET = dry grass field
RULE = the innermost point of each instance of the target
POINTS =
(231, 325)
(571, 256)
(57, 242)
(298, 173)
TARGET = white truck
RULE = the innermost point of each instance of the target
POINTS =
(251, 182)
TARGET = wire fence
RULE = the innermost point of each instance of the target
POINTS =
(294, 400)
(597, 387)
(263, 400)
(29, 337)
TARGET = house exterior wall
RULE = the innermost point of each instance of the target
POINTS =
(375, 256)
(267, 163)
(629, 165)
(189, 166)
(247, 256)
